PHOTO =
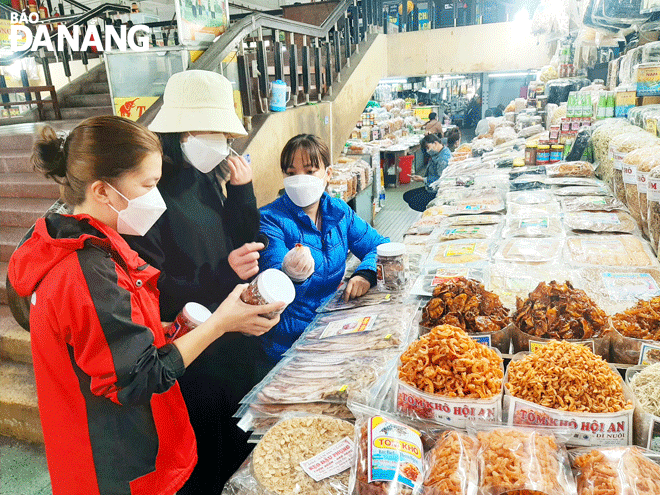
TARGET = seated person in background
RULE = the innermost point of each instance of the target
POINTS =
(452, 139)
(439, 156)
(483, 127)
(433, 126)
(326, 227)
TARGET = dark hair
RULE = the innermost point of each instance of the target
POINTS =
(488, 113)
(172, 153)
(99, 148)
(453, 136)
(433, 116)
(428, 139)
(319, 154)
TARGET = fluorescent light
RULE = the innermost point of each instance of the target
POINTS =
(513, 74)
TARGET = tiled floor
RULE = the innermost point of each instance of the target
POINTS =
(396, 216)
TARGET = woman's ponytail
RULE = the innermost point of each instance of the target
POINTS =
(49, 155)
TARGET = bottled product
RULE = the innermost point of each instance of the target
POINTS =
(543, 154)
(269, 287)
(191, 316)
(530, 154)
(556, 153)
(391, 269)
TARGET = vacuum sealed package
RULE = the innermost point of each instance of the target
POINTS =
(582, 191)
(467, 232)
(616, 471)
(533, 225)
(469, 220)
(459, 252)
(530, 250)
(573, 181)
(591, 203)
(430, 278)
(299, 455)
(645, 384)
(617, 221)
(609, 250)
(372, 298)
(570, 169)
(521, 460)
(452, 465)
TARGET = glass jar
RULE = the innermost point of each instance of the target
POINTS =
(530, 154)
(269, 287)
(543, 154)
(191, 316)
(391, 266)
(556, 152)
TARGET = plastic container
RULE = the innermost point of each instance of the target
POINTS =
(628, 350)
(190, 317)
(269, 287)
(543, 154)
(405, 166)
(530, 154)
(391, 266)
(646, 424)
(523, 342)
(556, 152)
(499, 339)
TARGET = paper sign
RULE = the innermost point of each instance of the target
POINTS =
(349, 325)
(331, 461)
(629, 286)
(649, 354)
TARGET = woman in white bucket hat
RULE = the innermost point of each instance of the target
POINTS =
(204, 246)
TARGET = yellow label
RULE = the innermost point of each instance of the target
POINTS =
(652, 126)
(133, 108)
(461, 250)
(648, 74)
(195, 54)
(388, 336)
(626, 98)
(343, 388)
(396, 444)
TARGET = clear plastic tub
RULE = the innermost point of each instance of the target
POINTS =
(522, 342)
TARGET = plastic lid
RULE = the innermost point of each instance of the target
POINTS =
(196, 313)
(391, 249)
(274, 286)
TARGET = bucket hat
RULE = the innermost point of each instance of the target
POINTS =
(198, 100)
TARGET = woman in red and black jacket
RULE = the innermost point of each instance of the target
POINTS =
(113, 417)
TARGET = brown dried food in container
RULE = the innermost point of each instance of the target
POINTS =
(642, 321)
(643, 160)
(559, 311)
(465, 303)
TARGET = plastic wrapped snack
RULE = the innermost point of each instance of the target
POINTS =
(582, 191)
(600, 221)
(430, 278)
(453, 468)
(570, 169)
(591, 203)
(530, 250)
(464, 220)
(601, 137)
(644, 381)
(572, 181)
(653, 208)
(513, 459)
(620, 146)
(459, 252)
(609, 250)
(615, 471)
(467, 232)
(636, 167)
(532, 225)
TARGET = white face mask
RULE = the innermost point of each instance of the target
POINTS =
(304, 190)
(140, 214)
(205, 152)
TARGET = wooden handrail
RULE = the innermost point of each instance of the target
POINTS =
(38, 101)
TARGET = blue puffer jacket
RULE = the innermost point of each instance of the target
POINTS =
(286, 224)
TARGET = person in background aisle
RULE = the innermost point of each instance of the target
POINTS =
(439, 155)
(452, 139)
(326, 228)
(204, 246)
(483, 126)
(433, 126)
(113, 417)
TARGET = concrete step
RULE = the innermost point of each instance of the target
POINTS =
(28, 185)
(18, 161)
(3, 282)
(79, 114)
(14, 140)
(24, 468)
(101, 75)
(86, 100)
(22, 212)
(9, 239)
(94, 88)
(14, 340)
(19, 412)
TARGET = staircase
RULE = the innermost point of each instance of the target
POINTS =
(87, 96)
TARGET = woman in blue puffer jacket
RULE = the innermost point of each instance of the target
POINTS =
(325, 227)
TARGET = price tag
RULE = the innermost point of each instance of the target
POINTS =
(331, 461)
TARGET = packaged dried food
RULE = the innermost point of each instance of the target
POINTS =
(615, 471)
(609, 250)
(530, 198)
(582, 191)
(653, 208)
(452, 466)
(390, 458)
(516, 460)
(523, 342)
(570, 169)
(448, 377)
(591, 203)
(636, 167)
(617, 288)
(307, 454)
(644, 381)
(637, 337)
(467, 232)
(259, 418)
(190, 317)
(459, 252)
(602, 134)
(532, 225)
(541, 209)
(268, 287)
(430, 278)
(466, 304)
(373, 297)
(565, 386)
(530, 250)
(572, 181)
(460, 220)
(600, 221)
(392, 266)
(620, 146)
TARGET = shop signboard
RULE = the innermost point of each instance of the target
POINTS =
(133, 108)
(201, 21)
(424, 20)
(393, 14)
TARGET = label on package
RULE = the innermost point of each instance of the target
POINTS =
(654, 434)
(450, 411)
(653, 189)
(395, 453)
(346, 326)
(586, 217)
(617, 158)
(603, 248)
(332, 461)
(534, 223)
(629, 286)
(642, 180)
(460, 250)
(482, 339)
(601, 429)
(649, 354)
(536, 344)
(444, 274)
(464, 231)
(629, 174)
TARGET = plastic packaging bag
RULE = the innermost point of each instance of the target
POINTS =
(464, 251)
(570, 169)
(619, 147)
(430, 278)
(591, 203)
(533, 226)
(582, 191)
(636, 168)
(644, 383)
(298, 263)
(451, 466)
(609, 250)
(593, 221)
(582, 142)
(530, 250)
(372, 298)
(653, 208)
